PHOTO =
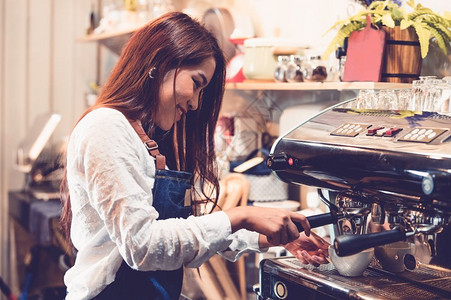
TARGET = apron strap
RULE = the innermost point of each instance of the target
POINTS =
(150, 145)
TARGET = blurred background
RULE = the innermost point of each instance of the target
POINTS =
(50, 63)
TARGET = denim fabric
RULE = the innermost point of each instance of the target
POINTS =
(168, 199)
(169, 194)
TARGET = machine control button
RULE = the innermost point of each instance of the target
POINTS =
(280, 290)
(382, 132)
(432, 135)
(372, 131)
(392, 132)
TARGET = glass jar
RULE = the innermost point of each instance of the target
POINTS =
(314, 69)
(281, 68)
(294, 71)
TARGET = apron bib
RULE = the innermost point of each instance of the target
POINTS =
(169, 200)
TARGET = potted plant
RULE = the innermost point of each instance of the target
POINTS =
(415, 25)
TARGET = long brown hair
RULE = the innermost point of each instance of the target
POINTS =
(170, 42)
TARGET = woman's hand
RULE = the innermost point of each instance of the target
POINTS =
(309, 249)
(278, 225)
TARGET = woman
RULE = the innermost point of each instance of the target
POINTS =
(128, 215)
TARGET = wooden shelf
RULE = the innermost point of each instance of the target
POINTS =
(309, 86)
(106, 35)
(113, 40)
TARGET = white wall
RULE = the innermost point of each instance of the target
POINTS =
(303, 20)
(42, 69)
(3, 206)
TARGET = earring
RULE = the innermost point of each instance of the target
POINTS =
(152, 72)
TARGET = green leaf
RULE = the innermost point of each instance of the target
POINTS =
(445, 32)
(397, 13)
(411, 3)
(439, 22)
(416, 14)
(360, 17)
(340, 37)
(405, 24)
(387, 20)
(377, 5)
(341, 22)
(438, 39)
(423, 36)
(447, 15)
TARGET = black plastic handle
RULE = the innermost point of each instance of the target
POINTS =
(319, 220)
(351, 244)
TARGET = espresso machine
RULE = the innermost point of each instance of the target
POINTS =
(385, 175)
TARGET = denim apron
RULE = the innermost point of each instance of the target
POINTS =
(169, 192)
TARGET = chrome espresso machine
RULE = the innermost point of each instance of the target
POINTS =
(386, 176)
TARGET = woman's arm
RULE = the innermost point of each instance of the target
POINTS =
(277, 225)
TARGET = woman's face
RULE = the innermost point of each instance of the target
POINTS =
(188, 85)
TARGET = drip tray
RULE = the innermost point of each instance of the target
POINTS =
(375, 283)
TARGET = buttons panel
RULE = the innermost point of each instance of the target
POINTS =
(350, 129)
(418, 134)
(422, 135)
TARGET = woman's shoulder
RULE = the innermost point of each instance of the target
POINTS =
(103, 121)
(104, 117)
(102, 114)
